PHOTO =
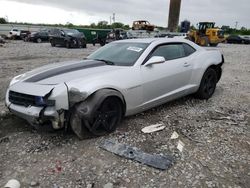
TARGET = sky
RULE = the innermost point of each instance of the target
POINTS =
(85, 12)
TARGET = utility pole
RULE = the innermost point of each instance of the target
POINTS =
(236, 24)
(174, 14)
(113, 17)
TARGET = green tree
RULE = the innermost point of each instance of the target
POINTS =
(102, 25)
(117, 25)
(93, 25)
(243, 29)
(70, 25)
(3, 21)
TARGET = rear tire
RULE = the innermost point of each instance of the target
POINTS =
(85, 45)
(38, 40)
(204, 41)
(67, 44)
(52, 43)
(207, 85)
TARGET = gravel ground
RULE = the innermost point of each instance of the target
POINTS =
(216, 134)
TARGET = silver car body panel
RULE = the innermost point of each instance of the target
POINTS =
(142, 86)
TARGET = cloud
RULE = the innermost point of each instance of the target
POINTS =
(223, 12)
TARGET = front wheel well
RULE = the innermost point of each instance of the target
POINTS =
(94, 100)
(110, 92)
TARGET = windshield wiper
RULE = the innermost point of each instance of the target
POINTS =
(106, 61)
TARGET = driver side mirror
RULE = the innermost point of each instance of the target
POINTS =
(155, 60)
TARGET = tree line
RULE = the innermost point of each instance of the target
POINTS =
(106, 25)
(99, 25)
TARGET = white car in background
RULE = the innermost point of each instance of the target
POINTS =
(14, 33)
(120, 79)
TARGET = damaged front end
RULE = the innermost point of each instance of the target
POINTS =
(39, 104)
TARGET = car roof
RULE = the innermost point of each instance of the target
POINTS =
(158, 41)
(151, 40)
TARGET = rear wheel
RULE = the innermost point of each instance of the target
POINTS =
(84, 44)
(67, 44)
(207, 85)
(52, 43)
(38, 40)
(204, 41)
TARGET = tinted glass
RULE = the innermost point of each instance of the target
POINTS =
(233, 37)
(121, 54)
(188, 49)
(170, 51)
(43, 33)
(71, 31)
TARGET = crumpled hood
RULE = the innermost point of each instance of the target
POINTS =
(68, 71)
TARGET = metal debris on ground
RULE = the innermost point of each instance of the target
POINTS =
(174, 136)
(133, 153)
(153, 128)
(180, 146)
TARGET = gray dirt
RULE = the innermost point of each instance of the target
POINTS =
(216, 134)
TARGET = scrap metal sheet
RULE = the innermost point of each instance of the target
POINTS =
(133, 153)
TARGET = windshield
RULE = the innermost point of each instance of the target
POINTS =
(71, 32)
(121, 54)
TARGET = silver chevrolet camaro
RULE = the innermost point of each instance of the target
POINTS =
(120, 79)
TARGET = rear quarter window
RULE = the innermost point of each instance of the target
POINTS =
(188, 49)
(169, 51)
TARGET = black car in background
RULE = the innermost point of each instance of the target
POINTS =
(40, 36)
(237, 39)
(24, 34)
(70, 38)
(116, 34)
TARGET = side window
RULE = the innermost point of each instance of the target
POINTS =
(170, 51)
(188, 49)
(44, 34)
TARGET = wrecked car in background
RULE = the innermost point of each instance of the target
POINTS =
(2, 41)
(120, 79)
(142, 25)
(40, 36)
(69, 38)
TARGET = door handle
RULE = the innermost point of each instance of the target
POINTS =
(186, 64)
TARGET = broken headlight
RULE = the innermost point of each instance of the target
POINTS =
(41, 101)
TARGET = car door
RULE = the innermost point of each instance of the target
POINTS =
(61, 37)
(58, 37)
(44, 36)
(169, 79)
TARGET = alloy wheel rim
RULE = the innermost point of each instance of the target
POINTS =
(105, 118)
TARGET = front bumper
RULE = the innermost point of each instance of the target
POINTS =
(34, 115)
(39, 115)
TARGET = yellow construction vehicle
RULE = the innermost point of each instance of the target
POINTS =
(206, 34)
